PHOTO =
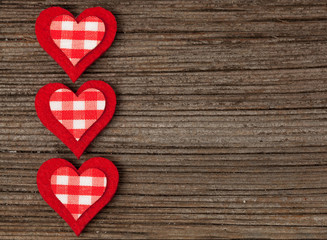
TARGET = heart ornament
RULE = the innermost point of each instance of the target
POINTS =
(77, 113)
(76, 119)
(77, 195)
(75, 43)
(78, 192)
(76, 39)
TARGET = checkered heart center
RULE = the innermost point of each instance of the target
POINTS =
(77, 39)
(77, 114)
(78, 193)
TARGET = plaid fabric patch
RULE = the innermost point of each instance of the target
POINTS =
(78, 193)
(77, 114)
(77, 39)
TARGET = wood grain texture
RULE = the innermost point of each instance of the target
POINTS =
(220, 129)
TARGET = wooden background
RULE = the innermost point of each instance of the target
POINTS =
(220, 129)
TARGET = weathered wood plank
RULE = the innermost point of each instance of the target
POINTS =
(220, 128)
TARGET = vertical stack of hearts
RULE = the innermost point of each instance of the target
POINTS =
(76, 119)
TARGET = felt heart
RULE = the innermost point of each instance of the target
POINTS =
(76, 39)
(75, 43)
(76, 119)
(77, 113)
(77, 195)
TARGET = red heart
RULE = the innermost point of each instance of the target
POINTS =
(85, 119)
(96, 168)
(78, 192)
(76, 39)
(77, 113)
(75, 50)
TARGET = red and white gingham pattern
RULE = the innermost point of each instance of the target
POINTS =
(78, 193)
(77, 114)
(77, 39)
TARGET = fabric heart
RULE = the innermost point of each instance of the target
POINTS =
(77, 114)
(75, 43)
(77, 39)
(76, 119)
(77, 195)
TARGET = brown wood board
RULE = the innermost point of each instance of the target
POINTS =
(220, 127)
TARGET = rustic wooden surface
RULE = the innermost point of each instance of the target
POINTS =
(220, 129)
